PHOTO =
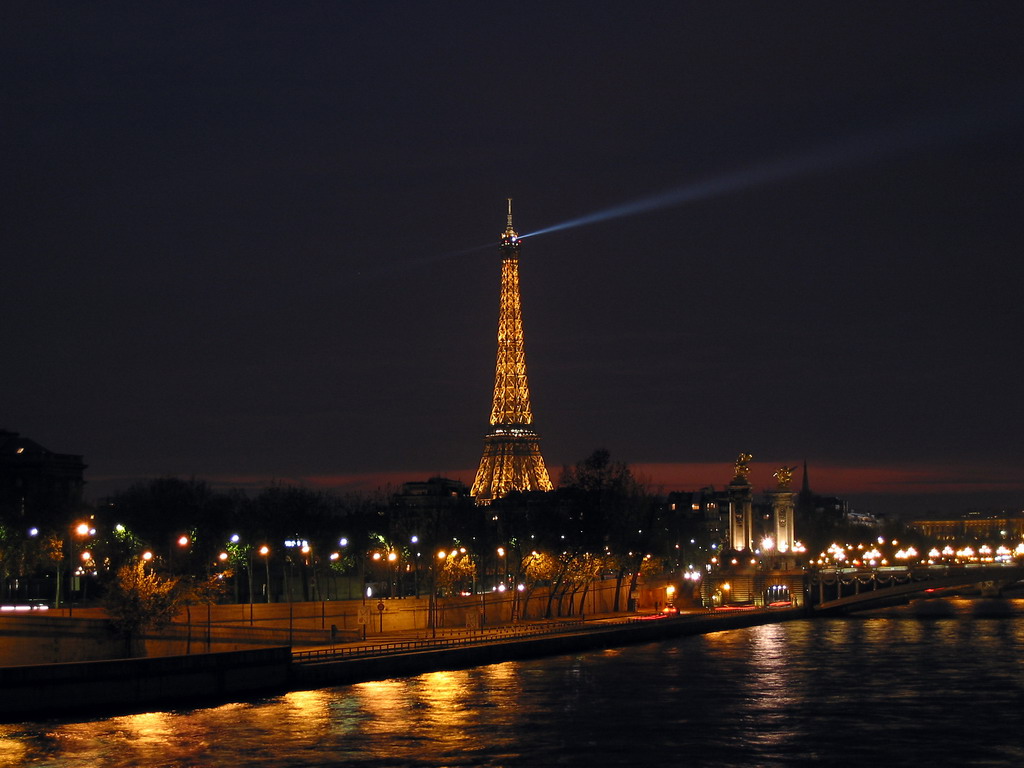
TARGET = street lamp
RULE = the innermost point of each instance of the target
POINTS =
(311, 587)
(433, 607)
(416, 567)
(392, 573)
(81, 531)
(86, 559)
(265, 552)
(175, 562)
(503, 570)
(768, 544)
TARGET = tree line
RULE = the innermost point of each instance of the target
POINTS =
(158, 544)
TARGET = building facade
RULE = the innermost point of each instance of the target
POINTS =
(37, 486)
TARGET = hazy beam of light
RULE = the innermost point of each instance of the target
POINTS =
(843, 153)
(995, 113)
(383, 270)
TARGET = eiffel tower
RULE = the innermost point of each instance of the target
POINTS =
(511, 460)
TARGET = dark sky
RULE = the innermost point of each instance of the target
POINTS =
(239, 237)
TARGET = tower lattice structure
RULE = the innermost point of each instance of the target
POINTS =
(511, 459)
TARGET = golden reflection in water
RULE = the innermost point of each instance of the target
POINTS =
(442, 693)
(311, 707)
(387, 701)
(430, 706)
(769, 661)
(148, 728)
(724, 637)
(149, 738)
(772, 684)
(502, 680)
(12, 752)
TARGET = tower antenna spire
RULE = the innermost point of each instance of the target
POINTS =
(509, 231)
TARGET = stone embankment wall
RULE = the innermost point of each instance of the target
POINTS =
(53, 637)
(85, 689)
(344, 671)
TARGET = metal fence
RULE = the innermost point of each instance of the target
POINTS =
(499, 634)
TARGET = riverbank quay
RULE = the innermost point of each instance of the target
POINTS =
(363, 662)
(83, 690)
(55, 636)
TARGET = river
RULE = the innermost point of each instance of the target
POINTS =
(887, 690)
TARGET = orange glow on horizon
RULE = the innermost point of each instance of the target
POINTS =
(826, 479)
(837, 479)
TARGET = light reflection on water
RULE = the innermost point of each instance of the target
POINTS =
(915, 691)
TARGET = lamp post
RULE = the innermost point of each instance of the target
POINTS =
(375, 572)
(175, 562)
(81, 531)
(767, 547)
(432, 609)
(342, 543)
(309, 586)
(414, 540)
(265, 553)
(392, 574)
(86, 559)
(502, 570)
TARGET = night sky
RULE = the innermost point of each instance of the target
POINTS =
(257, 242)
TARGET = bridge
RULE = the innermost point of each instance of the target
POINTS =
(843, 590)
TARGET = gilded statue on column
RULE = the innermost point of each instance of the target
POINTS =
(785, 476)
(742, 466)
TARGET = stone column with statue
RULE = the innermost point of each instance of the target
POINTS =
(783, 511)
(741, 505)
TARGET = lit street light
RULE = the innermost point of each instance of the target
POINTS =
(80, 531)
(265, 553)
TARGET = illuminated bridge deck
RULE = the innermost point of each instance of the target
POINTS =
(839, 590)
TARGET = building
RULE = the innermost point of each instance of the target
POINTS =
(971, 527)
(38, 487)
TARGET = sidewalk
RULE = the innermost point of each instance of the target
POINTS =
(408, 653)
(394, 641)
(426, 634)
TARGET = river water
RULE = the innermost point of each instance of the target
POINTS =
(890, 690)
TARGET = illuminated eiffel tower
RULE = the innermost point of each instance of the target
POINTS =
(511, 460)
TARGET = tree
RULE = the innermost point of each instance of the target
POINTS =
(584, 569)
(12, 557)
(140, 599)
(454, 570)
(608, 503)
(536, 568)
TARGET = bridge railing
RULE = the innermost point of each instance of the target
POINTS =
(893, 581)
(917, 572)
(498, 634)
